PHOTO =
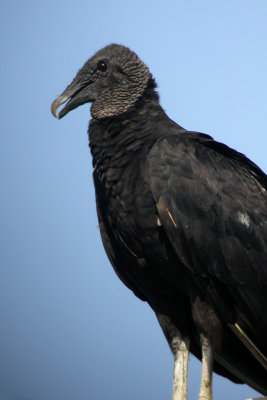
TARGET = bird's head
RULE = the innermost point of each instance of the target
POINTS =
(113, 80)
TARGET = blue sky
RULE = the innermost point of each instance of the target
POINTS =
(69, 328)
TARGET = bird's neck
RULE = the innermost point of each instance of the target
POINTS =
(117, 141)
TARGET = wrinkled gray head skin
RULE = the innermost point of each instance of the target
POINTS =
(113, 80)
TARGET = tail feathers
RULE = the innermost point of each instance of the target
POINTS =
(236, 328)
(243, 359)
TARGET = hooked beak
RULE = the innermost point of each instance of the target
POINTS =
(76, 94)
(56, 103)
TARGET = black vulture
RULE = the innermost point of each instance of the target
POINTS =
(183, 220)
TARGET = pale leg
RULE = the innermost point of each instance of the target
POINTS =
(180, 368)
(207, 364)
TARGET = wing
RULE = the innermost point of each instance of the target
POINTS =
(212, 203)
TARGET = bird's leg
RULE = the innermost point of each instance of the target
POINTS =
(181, 352)
(207, 366)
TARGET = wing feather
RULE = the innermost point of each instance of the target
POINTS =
(213, 207)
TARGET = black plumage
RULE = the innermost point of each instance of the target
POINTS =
(182, 217)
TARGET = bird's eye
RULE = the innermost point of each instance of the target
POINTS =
(102, 66)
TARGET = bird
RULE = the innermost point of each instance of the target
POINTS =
(183, 220)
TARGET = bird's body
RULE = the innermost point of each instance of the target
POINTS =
(183, 220)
